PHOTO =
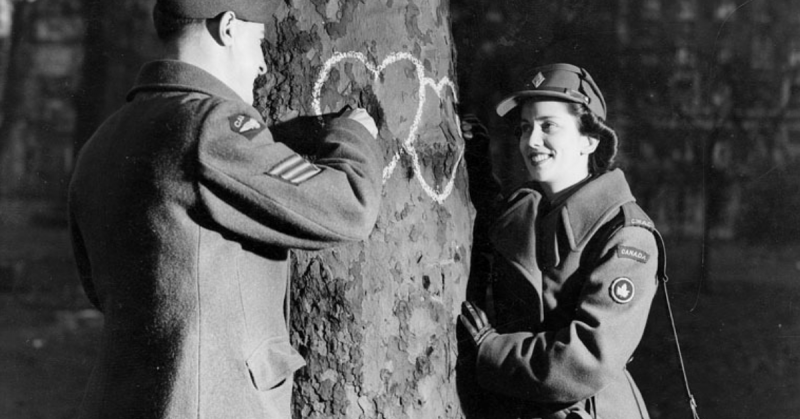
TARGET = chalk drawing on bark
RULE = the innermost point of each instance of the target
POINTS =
(408, 144)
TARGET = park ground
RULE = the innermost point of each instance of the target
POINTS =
(740, 331)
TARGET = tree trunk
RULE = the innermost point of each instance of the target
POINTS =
(376, 320)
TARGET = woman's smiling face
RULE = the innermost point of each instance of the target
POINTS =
(555, 152)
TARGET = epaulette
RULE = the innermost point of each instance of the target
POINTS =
(630, 215)
(634, 216)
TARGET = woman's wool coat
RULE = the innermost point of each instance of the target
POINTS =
(571, 297)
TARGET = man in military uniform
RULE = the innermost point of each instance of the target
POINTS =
(183, 208)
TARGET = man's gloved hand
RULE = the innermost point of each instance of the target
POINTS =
(476, 323)
(472, 127)
(361, 116)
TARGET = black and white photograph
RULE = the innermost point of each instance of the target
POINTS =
(399, 209)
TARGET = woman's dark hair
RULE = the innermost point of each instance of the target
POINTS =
(170, 26)
(604, 157)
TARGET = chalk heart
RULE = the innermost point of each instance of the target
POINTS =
(438, 194)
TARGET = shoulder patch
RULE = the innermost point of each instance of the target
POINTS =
(622, 290)
(632, 253)
(294, 169)
(245, 125)
(636, 217)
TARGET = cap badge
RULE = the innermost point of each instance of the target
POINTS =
(538, 80)
(622, 290)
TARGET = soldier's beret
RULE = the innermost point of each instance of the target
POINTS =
(560, 81)
(260, 11)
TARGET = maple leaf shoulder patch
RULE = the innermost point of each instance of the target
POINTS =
(622, 290)
(246, 125)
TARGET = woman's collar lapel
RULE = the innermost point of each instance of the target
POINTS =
(593, 205)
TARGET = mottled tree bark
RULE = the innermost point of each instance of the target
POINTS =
(376, 320)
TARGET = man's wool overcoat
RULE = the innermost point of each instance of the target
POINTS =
(573, 282)
(183, 208)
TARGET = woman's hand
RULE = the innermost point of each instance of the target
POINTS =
(472, 127)
(476, 323)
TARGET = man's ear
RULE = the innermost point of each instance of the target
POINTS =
(591, 146)
(223, 28)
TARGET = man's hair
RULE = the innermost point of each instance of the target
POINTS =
(170, 26)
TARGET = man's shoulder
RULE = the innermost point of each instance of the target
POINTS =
(175, 76)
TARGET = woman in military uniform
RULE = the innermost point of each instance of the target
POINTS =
(574, 271)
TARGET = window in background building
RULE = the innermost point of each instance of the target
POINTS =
(794, 92)
(5, 47)
(794, 53)
(5, 18)
(651, 9)
(725, 10)
(763, 52)
(685, 57)
(794, 137)
(724, 51)
(687, 10)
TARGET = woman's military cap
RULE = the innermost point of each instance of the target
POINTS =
(259, 11)
(559, 81)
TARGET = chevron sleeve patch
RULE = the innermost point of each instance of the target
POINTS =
(295, 170)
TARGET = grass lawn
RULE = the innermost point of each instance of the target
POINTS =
(741, 339)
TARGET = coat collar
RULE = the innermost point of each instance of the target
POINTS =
(516, 236)
(592, 205)
(174, 75)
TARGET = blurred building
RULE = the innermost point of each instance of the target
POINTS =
(42, 52)
(62, 71)
(705, 94)
(717, 82)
